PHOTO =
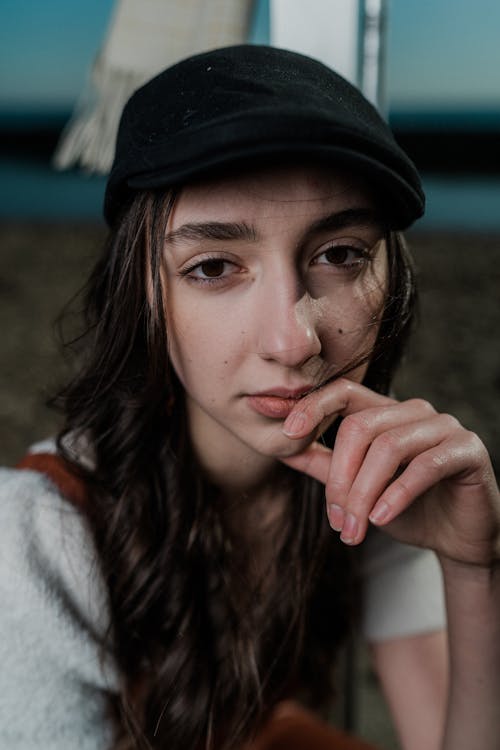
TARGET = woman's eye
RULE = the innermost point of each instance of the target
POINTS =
(342, 255)
(210, 269)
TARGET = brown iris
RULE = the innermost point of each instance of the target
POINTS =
(337, 255)
(212, 268)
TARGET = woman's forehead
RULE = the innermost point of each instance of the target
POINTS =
(272, 191)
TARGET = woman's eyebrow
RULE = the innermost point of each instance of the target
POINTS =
(350, 217)
(221, 230)
(211, 230)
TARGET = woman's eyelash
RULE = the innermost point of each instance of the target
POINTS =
(338, 255)
(210, 261)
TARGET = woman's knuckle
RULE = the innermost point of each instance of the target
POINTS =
(423, 405)
(475, 443)
(430, 463)
(388, 442)
(335, 488)
(450, 422)
(346, 384)
(404, 493)
(356, 424)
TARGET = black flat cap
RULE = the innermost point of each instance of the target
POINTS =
(245, 104)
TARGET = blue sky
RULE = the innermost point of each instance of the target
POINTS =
(441, 53)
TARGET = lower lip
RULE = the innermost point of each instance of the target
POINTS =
(272, 406)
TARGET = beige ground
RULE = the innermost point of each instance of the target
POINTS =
(455, 360)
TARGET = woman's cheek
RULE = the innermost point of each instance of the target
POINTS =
(349, 335)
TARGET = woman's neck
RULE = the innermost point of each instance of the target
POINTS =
(256, 521)
(235, 468)
(253, 491)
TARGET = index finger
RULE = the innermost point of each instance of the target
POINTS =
(340, 398)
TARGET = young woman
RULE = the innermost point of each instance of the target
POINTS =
(243, 326)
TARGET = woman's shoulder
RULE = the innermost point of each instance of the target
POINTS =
(45, 537)
(46, 547)
(53, 620)
(32, 508)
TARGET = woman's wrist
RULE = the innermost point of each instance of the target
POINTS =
(484, 574)
(480, 573)
(472, 594)
(473, 607)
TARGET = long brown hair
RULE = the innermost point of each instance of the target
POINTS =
(203, 650)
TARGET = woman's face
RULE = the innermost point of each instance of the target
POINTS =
(273, 280)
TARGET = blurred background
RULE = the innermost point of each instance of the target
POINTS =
(438, 80)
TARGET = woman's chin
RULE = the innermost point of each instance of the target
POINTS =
(277, 445)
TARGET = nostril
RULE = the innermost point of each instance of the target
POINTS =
(288, 347)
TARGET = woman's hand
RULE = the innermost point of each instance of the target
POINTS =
(421, 475)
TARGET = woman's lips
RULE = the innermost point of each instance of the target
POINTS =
(274, 405)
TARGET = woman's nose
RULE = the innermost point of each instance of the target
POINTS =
(288, 327)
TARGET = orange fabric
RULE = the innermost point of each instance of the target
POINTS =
(60, 472)
(292, 727)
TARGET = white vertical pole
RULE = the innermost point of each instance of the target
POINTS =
(372, 72)
(327, 30)
(347, 35)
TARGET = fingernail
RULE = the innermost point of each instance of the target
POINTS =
(350, 529)
(336, 517)
(294, 424)
(379, 513)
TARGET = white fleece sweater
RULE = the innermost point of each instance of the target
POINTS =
(53, 616)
